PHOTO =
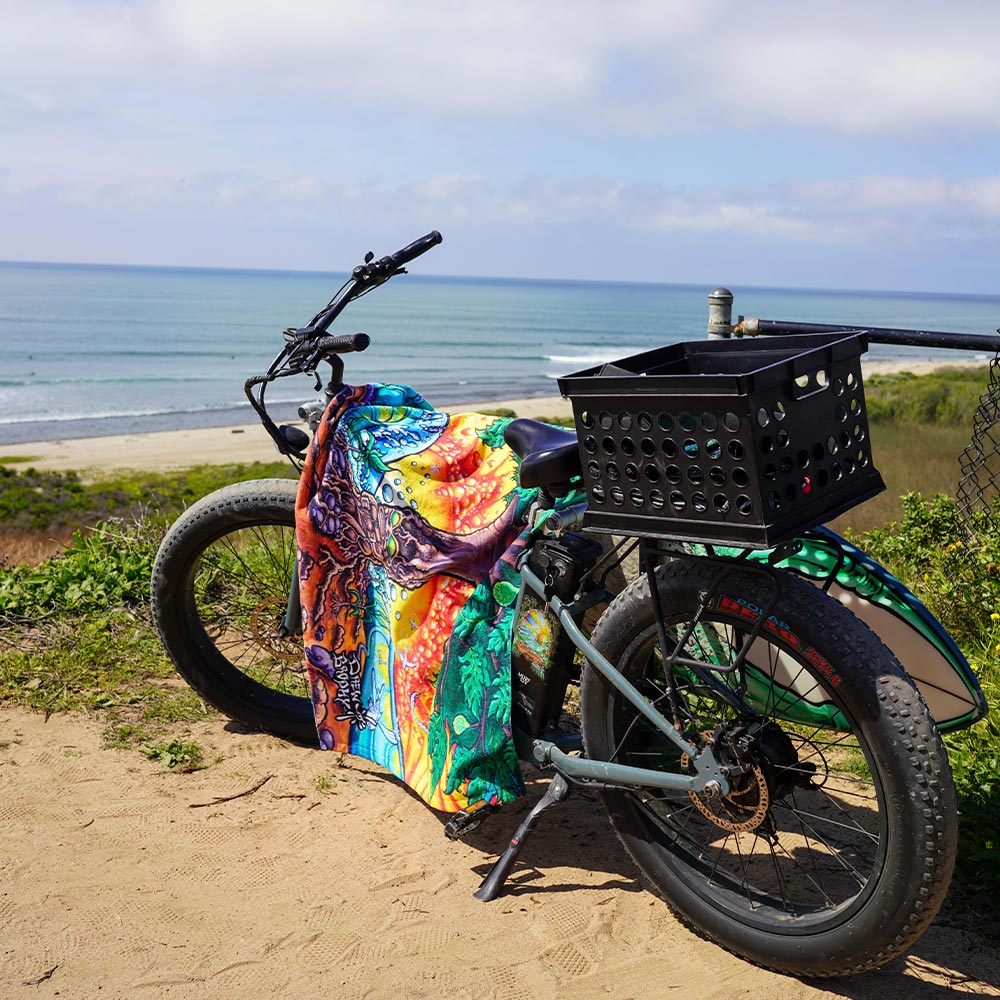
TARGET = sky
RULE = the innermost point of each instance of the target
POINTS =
(829, 145)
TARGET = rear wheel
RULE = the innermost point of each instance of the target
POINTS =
(220, 593)
(834, 847)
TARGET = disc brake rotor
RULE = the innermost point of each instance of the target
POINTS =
(265, 619)
(743, 809)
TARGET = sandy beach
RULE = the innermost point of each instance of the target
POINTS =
(280, 871)
(250, 443)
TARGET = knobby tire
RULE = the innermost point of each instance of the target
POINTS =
(845, 820)
(220, 588)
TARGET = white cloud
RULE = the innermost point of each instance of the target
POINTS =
(874, 210)
(882, 68)
(441, 54)
(853, 66)
(299, 190)
(974, 197)
(506, 119)
(451, 187)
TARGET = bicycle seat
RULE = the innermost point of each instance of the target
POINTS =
(548, 454)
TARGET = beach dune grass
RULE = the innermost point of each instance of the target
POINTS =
(912, 457)
(39, 511)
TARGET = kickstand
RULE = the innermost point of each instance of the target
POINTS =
(492, 885)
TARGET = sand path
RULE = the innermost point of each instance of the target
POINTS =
(117, 881)
(203, 445)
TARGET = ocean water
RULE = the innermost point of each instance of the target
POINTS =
(92, 350)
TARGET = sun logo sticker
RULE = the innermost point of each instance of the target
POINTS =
(533, 638)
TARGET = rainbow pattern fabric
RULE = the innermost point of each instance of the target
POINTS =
(409, 523)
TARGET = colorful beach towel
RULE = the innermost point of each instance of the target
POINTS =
(409, 524)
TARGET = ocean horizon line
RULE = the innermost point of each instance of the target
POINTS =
(737, 287)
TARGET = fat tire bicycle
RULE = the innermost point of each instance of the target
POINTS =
(762, 755)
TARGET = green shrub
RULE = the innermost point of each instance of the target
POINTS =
(949, 396)
(107, 568)
(957, 575)
(954, 571)
(75, 632)
(975, 762)
(182, 755)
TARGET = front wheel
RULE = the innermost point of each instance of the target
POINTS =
(835, 845)
(220, 592)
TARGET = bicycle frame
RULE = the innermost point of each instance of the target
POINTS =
(708, 775)
(546, 752)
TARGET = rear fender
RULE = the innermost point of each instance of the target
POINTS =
(918, 640)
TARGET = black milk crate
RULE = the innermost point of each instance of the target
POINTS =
(745, 442)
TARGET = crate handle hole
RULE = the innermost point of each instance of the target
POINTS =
(811, 383)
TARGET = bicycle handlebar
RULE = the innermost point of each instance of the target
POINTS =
(307, 345)
(344, 344)
(385, 267)
(367, 276)
(414, 249)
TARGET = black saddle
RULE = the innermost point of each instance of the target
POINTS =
(549, 455)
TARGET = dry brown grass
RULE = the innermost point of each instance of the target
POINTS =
(912, 458)
(24, 545)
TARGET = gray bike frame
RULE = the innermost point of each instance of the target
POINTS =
(708, 774)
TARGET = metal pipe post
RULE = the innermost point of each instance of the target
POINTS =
(720, 314)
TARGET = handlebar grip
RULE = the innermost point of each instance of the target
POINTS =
(345, 344)
(415, 249)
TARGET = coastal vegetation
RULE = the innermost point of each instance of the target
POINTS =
(75, 632)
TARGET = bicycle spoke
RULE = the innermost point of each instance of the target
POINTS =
(816, 854)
